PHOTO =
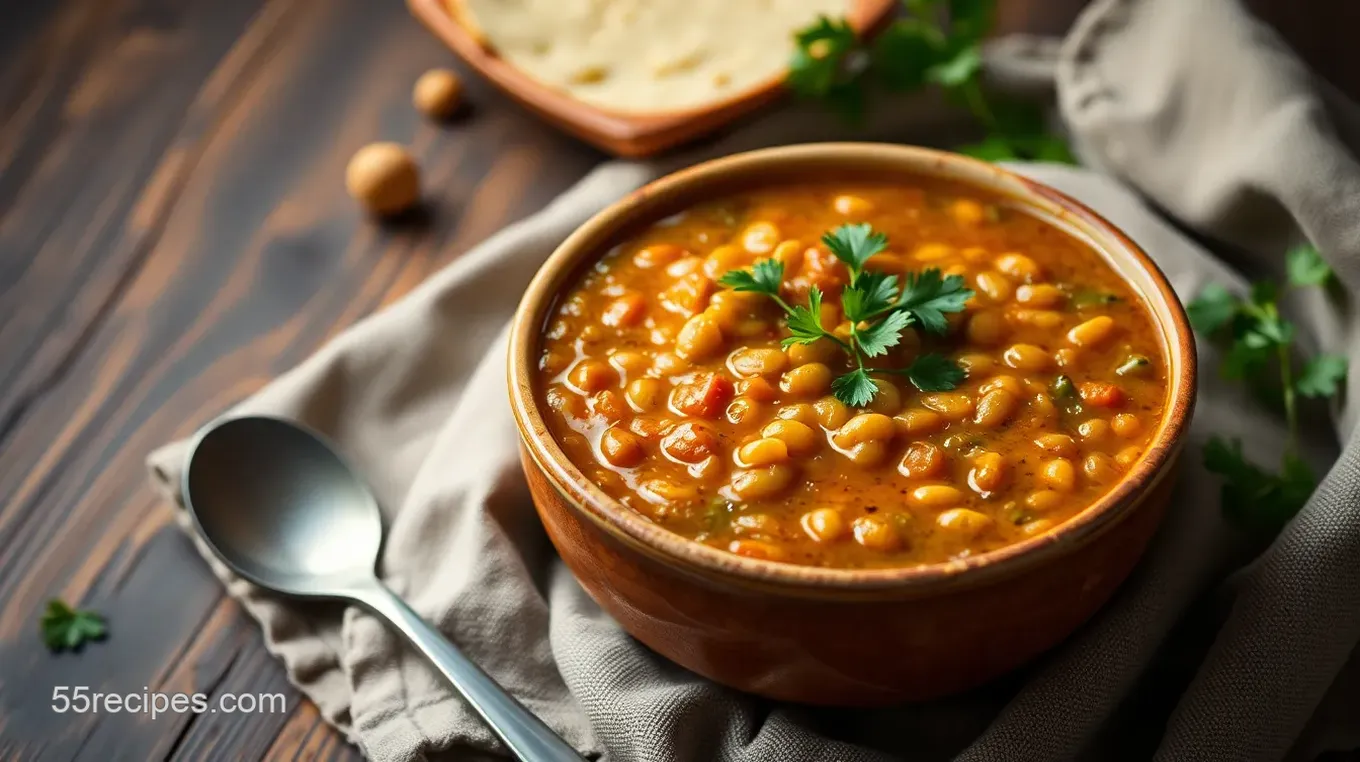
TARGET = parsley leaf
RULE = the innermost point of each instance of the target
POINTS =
(1321, 376)
(935, 373)
(872, 294)
(928, 295)
(855, 388)
(854, 244)
(827, 64)
(904, 52)
(1306, 267)
(1212, 309)
(66, 628)
(878, 338)
(1253, 497)
(764, 277)
(805, 323)
(958, 69)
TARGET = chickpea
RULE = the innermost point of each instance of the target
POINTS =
(1040, 296)
(1046, 319)
(757, 389)
(685, 266)
(667, 492)
(590, 376)
(566, 403)
(1099, 468)
(669, 364)
(868, 454)
(888, 399)
(1065, 357)
(1126, 425)
(821, 350)
(760, 237)
(1093, 430)
(1037, 526)
(823, 524)
(621, 448)
(1093, 332)
(1027, 357)
(936, 496)
(922, 460)
(706, 469)
(967, 212)
(762, 452)
(854, 207)
(790, 253)
(762, 483)
(756, 549)
(553, 363)
(977, 365)
(876, 533)
(799, 411)
(755, 524)
(988, 473)
(1007, 382)
(806, 380)
(994, 285)
(701, 337)
(995, 408)
(765, 361)
(645, 394)
(952, 405)
(933, 252)
(1043, 406)
(724, 259)
(625, 311)
(437, 93)
(1019, 266)
(689, 294)
(1043, 500)
(631, 364)
(831, 413)
(1058, 444)
(964, 523)
(658, 255)
(1128, 456)
(1060, 475)
(862, 428)
(918, 422)
(384, 179)
(742, 410)
(796, 435)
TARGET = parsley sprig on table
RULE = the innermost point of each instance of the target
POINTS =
(64, 627)
(877, 309)
(1257, 338)
(934, 43)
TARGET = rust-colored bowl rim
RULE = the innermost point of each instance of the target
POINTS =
(883, 162)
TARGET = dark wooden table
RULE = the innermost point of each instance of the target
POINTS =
(174, 233)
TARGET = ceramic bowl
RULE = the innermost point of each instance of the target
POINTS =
(631, 135)
(846, 636)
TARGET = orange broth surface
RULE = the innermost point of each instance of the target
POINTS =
(675, 396)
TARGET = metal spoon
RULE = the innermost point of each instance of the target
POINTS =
(281, 508)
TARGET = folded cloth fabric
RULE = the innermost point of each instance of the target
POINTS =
(1222, 127)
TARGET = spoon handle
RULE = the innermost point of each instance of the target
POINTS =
(524, 734)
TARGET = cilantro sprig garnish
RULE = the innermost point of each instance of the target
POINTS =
(934, 43)
(64, 627)
(1258, 339)
(877, 309)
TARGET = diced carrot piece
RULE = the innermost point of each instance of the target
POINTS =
(1101, 393)
(705, 397)
(624, 311)
(690, 442)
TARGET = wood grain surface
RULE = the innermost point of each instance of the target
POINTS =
(174, 233)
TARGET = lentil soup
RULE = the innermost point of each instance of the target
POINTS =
(676, 396)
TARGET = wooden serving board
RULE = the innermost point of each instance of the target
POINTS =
(629, 135)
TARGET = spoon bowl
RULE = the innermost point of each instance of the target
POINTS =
(282, 508)
(279, 507)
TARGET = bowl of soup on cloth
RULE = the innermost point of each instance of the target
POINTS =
(850, 424)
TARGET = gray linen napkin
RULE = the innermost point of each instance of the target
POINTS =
(1224, 130)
